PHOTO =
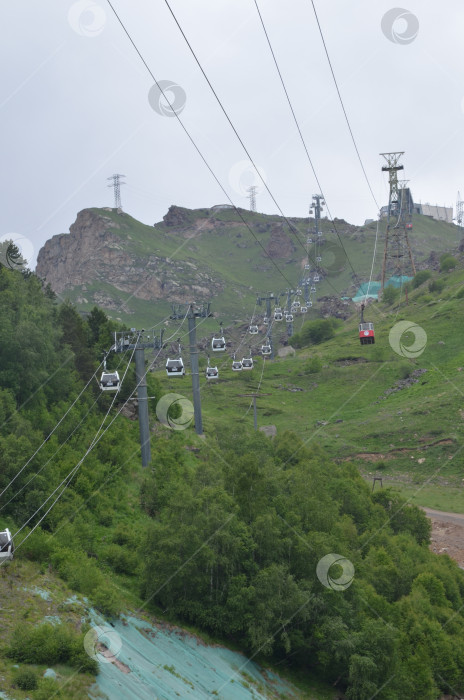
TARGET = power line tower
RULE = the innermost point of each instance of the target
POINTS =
(459, 211)
(193, 312)
(399, 218)
(116, 185)
(252, 197)
(136, 341)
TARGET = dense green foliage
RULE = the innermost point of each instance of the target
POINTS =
(314, 332)
(228, 537)
(447, 262)
(390, 294)
(421, 277)
(436, 286)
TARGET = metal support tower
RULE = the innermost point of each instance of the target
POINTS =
(254, 397)
(133, 341)
(192, 314)
(459, 211)
(252, 197)
(116, 185)
(399, 217)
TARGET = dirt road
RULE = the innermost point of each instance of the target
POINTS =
(447, 534)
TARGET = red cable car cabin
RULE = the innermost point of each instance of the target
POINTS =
(366, 330)
(409, 227)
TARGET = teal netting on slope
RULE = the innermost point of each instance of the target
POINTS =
(372, 290)
(161, 663)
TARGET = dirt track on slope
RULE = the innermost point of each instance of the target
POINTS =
(447, 534)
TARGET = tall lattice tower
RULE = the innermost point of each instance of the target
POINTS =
(459, 211)
(252, 197)
(399, 222)
(116, 185)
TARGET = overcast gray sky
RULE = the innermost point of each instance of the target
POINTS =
(74, 105)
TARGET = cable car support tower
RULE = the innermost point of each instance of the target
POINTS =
(134, 341)
(399, 220)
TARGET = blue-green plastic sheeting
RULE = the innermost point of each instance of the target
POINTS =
(158, 662)
(372, 290)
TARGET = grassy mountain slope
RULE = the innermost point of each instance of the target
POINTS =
(218, 243)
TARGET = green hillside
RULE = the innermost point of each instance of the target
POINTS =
(219, 244)
(228, 535)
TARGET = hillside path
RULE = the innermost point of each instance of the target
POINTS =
(447, 534)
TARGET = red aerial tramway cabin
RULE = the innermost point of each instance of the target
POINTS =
(366, 330)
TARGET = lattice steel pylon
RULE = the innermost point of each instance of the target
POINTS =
(116, 185)
(252, 197)
(459, 211)
(399, 221)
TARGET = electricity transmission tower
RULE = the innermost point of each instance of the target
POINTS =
(459, 210)
(252, 197)
(135, 341)
(193, 312)
(399, 218)
(116, 185)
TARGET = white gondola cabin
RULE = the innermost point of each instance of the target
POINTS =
(289, 318)
(247, 363)
(237, 365)
(266, 350)
(175, 368)
(212, 373)
(278, 314)
(253, 330)
(316, 278)
(266, 321)
(109, 381)
(6, 546)
(304, 309)
(218, 344)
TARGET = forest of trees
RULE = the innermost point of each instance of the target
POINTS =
(226, 536)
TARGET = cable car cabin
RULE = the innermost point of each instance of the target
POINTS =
(175, 368)
(408, 227)
(310, 303)
(247, 363)
(266, 350)
(277, 315)
(366, 333)
(307, 266)
(237, 366)
(318, 259)
(6, 546)
(316, 278)
(313, 289)
(296, 304)
(212, 373)
(218, 344)
(304, 309)
(109, 381)
(266, 321)
(253, 330)
(298, 292)
(289, 318)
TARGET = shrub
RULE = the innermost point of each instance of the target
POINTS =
(25, 679)
(314, 332)
(389, 294)
(47, 689)
(420, 278)
(436, 286)
(447, 263)
(121, 559)
(313, 366)
(460, 294)
(405, 370)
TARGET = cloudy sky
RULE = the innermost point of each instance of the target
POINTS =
(77, 105)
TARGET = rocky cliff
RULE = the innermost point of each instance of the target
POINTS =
(98, 252)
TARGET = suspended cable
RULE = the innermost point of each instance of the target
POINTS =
(194, 144)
